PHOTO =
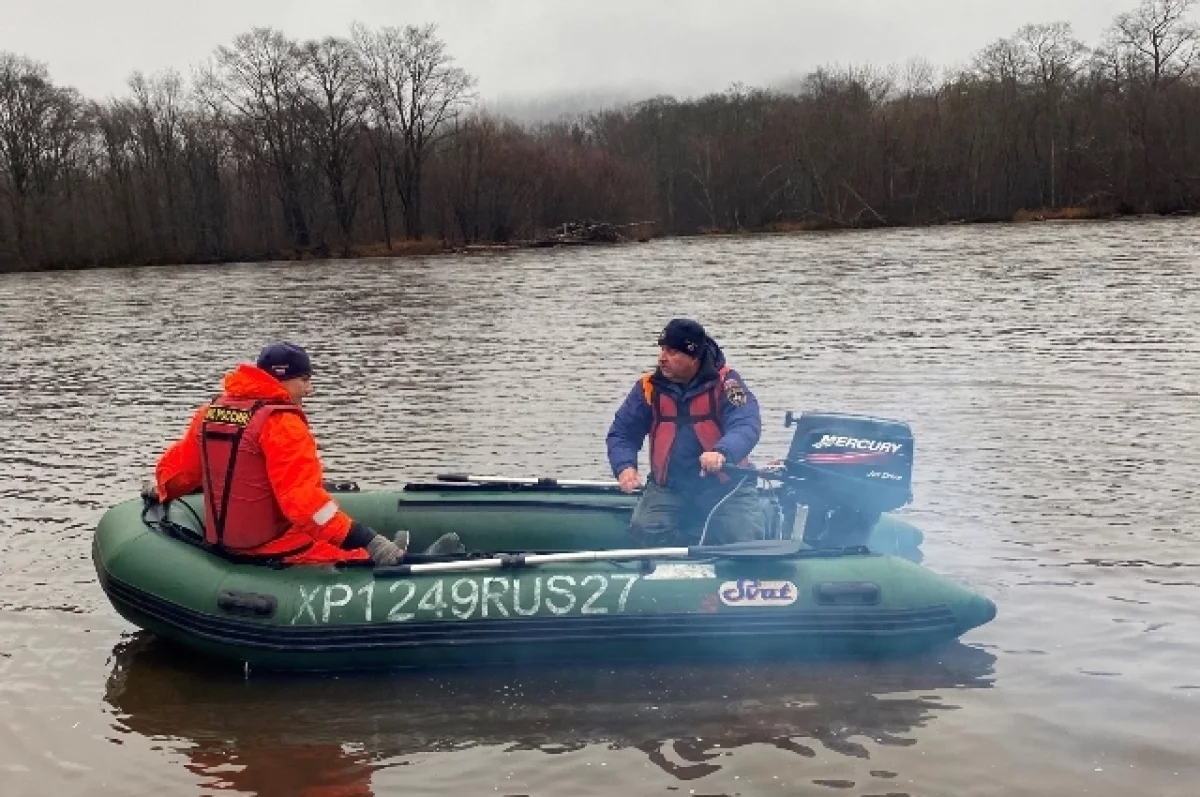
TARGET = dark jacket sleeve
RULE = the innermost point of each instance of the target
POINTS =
(741, 421)
(628, 431)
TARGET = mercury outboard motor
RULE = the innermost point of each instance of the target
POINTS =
(847, 469)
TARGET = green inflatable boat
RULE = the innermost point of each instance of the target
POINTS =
(549, 576)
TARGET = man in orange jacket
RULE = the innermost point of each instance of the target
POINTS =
(252, 453)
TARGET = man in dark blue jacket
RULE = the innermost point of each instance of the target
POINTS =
(698, 414)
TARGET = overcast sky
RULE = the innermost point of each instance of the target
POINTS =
(524, 48)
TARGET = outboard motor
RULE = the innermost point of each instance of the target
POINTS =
(847, 469)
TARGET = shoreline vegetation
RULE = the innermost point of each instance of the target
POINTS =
(430, 247)
(375, 145)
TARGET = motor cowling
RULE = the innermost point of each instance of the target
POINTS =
(847, 469)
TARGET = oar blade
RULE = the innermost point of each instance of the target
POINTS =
(750, 549)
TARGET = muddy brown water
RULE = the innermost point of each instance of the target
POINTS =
(1050, 373)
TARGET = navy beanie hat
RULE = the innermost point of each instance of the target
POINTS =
(284, 361)
(685, 335)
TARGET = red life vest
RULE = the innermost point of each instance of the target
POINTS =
(702, 413)
(241, 510)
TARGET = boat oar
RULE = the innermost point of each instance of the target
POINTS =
(753, 549)
(523, 481)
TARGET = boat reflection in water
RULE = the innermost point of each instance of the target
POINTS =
(273, 734)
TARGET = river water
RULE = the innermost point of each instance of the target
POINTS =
(1050, 373)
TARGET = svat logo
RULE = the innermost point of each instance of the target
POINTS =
(752, 592)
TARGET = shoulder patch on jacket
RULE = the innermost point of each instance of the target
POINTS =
(735, 393)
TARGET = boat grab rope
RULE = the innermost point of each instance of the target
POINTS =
(704, 530)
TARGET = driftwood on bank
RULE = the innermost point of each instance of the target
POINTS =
(586, 233)
(574, 233)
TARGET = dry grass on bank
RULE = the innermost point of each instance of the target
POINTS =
(1057, 214)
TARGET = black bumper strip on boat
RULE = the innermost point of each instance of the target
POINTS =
(511, 487)
(870, 624)
(453, 505)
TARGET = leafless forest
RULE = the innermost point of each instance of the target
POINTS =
(374, 142)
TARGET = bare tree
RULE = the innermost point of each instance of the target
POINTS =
(159, 108)
(1051, 57)
(333, 88)
(416, 91)
(206, 162)
(258, 79)
(115, 124)
(40, 127)
(279, 146)
(1155, 41)
(1147, 52)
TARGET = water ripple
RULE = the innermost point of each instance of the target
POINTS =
(1050, 375)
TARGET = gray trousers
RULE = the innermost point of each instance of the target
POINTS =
(666, 518)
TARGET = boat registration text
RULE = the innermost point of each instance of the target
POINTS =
(466, 598)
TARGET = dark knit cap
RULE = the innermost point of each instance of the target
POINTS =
(685, 335)
(284, 361)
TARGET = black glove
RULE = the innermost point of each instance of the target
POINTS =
(382, 550)
(359, 536)
(149, 492)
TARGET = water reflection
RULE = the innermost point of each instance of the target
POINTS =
(1050, 372)
(287, 735)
